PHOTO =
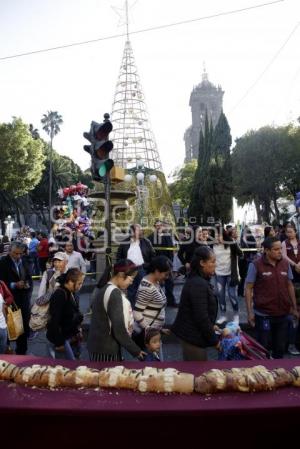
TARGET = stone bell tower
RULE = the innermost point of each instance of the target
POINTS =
(204, 97)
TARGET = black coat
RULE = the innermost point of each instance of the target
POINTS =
(64, 317)
(162, 241)
(9, 274)
(186, 251)
(197, 313)
(147, 250)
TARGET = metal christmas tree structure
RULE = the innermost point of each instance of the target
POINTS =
(135, 147)
(132, 136)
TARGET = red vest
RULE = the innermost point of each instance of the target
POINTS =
(290, 251)
(270, 292)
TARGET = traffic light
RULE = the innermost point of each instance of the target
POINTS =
(100, 148)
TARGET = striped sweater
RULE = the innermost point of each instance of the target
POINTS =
(150, 305)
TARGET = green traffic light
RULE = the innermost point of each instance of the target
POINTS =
(105, 167)
(102, 170)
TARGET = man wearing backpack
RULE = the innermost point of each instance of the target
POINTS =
(270, 297)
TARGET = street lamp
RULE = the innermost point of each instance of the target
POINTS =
(140, 172)
(140, 177)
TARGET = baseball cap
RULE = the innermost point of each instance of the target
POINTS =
(60, 256)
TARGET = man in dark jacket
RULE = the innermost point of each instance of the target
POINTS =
(270, 297)
(161, 238)
(15, 273)
(188, 247)
(140, 251)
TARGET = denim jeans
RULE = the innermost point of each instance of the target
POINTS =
(272, 333)
(67, 354)
(221, 283)
(35, 264)
(38, 344)
(292, 330)
(3, 340)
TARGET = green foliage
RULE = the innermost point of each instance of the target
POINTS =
(290, 163)
(181, 188)
(21, 158)
(266, 166)
(212, 192)
(196, 208)
(64, 173)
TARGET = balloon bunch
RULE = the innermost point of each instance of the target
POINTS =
(73, 190)
(75, 207)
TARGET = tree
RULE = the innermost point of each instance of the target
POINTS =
(218, 180)
(34, 132)
(51, 121)
(21, 162)
(266, 165)
(181, 188)
(212, 192)
(197, 205)
(290, 163)
(65, 173)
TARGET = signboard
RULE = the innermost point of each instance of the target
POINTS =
(210, 220)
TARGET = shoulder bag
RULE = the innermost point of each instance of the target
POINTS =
(14, 322)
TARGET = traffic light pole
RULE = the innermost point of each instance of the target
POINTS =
(100, 168)
(107, 187)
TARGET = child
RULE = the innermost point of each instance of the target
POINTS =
(152, 343)
(230, 343)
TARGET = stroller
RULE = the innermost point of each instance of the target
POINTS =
(236, 344)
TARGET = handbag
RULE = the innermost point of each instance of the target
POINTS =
(39, 316)
(14, 322)
(39, 313)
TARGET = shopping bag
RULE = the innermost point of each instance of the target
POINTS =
(14, 322)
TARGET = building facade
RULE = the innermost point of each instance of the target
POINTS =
(204, 97)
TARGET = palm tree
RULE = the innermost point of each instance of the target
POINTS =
(34, 132)
(51, 121)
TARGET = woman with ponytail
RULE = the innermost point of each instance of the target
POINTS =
(64, 324)
(112, 319)
(195, 321)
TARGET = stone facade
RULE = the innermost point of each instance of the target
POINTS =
(204, 97)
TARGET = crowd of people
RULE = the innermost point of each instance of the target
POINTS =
(128, 309)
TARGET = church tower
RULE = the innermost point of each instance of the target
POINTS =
(204, 97)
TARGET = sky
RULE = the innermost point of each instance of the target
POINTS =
(254, 55)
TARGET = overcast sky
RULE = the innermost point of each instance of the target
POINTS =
(79, 82)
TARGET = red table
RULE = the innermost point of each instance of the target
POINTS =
(120, 418)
